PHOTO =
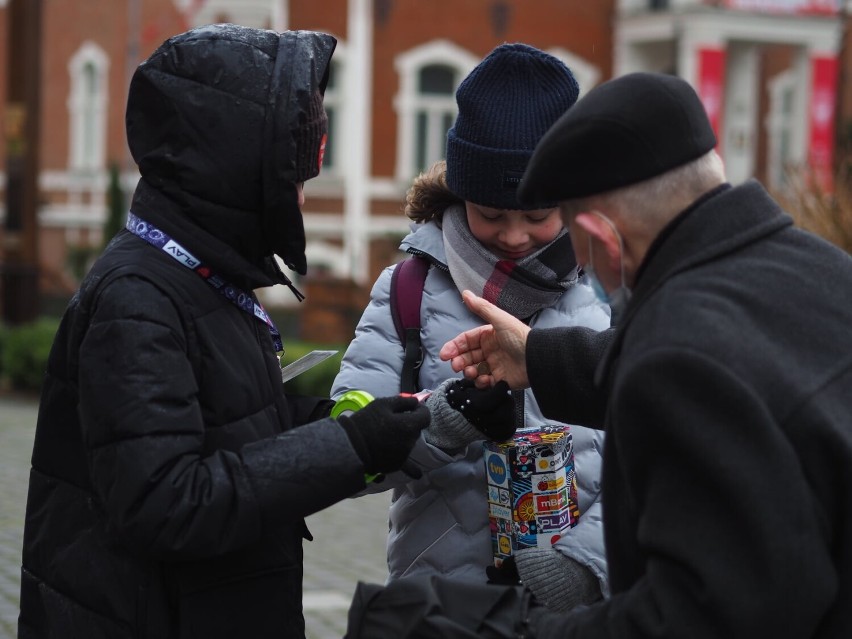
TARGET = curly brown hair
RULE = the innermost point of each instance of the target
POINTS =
(428, 197)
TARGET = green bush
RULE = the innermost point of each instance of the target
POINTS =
(4, 337)
(317, 381)
(24, 353)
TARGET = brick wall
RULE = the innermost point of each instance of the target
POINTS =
(399, 26)
(332, 309)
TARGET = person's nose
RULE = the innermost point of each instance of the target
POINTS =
(515, 235)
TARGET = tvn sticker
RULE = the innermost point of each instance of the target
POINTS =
(180, 254)
(496, 466)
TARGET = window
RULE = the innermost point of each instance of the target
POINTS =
(435, 113)
(780, 125)
(429, 76)
(586, 74)
(332, 103)
(87, 107)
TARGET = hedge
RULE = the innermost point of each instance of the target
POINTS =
(24, 350)
(23, 353)
(316, 381)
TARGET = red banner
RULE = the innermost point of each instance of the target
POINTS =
(711, 86)
(823, 101)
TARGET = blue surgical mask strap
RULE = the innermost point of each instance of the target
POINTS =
(619, 298)
(620, 246)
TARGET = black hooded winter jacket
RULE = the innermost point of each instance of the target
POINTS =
(169, 486)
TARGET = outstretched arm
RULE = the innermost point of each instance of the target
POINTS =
(493, 352)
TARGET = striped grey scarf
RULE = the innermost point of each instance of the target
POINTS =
(520, 288)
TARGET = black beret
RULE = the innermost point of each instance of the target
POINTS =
(623, 131)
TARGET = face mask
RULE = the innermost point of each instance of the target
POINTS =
(618, 299)
(595, 283)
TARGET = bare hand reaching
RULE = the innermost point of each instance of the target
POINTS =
(493, 352)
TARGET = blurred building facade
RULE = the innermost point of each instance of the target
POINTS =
(767, 71)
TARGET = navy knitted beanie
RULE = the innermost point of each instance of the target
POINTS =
(506, 104)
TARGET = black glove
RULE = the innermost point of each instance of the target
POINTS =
(505, 575)
(491, 410)
(384, 431)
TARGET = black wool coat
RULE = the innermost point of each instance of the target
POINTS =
(726, 395)
(169, 480)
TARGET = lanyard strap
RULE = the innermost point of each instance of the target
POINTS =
(242, 300)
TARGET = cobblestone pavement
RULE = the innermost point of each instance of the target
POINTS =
(348, 546)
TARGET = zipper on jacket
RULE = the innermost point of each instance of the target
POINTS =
(428, 258)
(519, 397)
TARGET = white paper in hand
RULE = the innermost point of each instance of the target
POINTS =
(304, 363)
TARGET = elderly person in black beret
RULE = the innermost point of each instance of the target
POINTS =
(725, 388)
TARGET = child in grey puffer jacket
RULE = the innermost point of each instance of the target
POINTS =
(476, 235)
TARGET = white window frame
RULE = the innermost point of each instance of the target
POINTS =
(87, 110)
(336, 99)
(586, 74)
(777, 124)
(408, 102)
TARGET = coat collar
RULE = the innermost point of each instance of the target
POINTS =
(426, 239)
(717, 224)
(177, 219)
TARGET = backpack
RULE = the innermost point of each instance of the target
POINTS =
(406, 292)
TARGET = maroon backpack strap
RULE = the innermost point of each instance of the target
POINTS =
(406, 291)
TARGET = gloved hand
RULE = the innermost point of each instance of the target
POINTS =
(505, 575)
(556, 580)
(384, 431)
(491, 410)
(461, 412)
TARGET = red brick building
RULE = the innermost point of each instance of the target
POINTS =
(763, 68)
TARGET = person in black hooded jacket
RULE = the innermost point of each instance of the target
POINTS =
(169, 482)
